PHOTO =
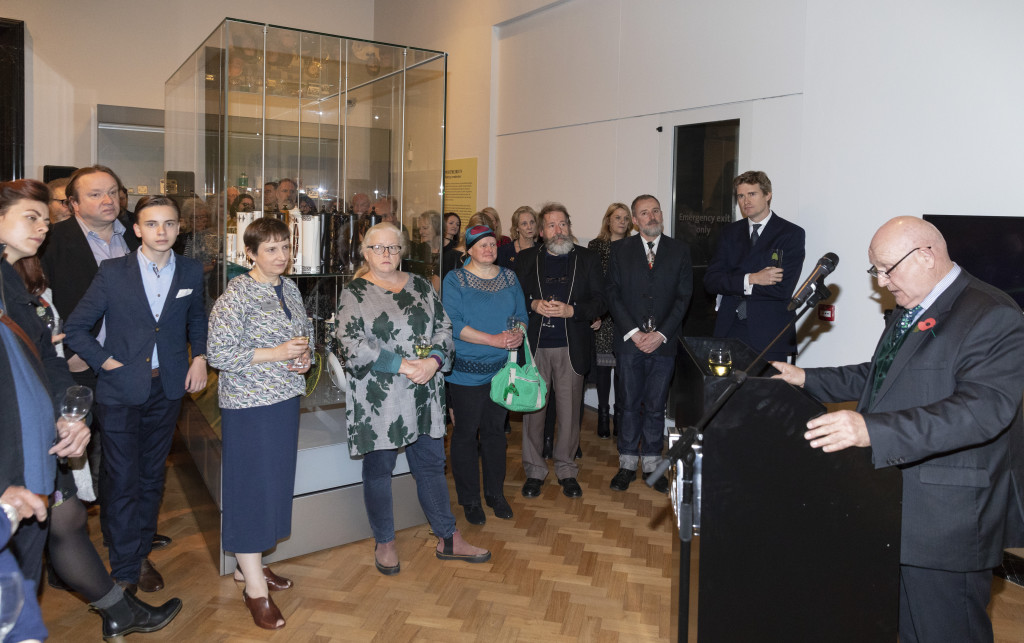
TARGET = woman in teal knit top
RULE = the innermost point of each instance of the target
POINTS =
(480, 298)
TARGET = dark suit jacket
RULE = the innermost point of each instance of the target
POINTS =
(634, 290)
(586, 295)
(766, 305)
(944, 415)
(117, 292)
(69, 265)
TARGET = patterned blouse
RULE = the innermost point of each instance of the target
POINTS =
(604, 338)
(376, 329)
(248, 316)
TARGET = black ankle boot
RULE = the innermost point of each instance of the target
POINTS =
(132, 615)
(603, 418)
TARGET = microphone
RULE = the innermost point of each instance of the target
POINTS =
(825, 267)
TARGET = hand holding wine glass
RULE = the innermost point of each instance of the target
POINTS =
(73, 435)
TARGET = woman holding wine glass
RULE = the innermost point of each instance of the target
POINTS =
(480, 298)
(395, 339)
(29, 468)
(259, 339)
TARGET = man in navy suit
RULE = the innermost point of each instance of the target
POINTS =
(152, 303)
(650, 281)
(755, 270)
(941, 400)
(71, 255)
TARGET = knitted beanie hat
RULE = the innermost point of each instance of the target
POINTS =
(477, 233)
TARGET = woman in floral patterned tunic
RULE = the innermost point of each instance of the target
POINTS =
(395, 399)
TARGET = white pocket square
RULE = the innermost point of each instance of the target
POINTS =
(184, 292)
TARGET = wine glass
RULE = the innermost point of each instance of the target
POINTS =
(422, 346)
(300, 333)
(12, 597)
(720, 361)
(648, 325)
(547, 320)
(76, 404)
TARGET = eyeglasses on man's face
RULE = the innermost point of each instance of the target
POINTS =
(378, 249)
(63, 202)
(875, 272)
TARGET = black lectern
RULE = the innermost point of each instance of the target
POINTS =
(795, 544)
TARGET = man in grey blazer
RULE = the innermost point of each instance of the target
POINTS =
(941, 400)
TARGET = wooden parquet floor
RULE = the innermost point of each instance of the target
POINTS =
(598, 568)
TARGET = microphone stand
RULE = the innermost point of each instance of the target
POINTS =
(683, 450)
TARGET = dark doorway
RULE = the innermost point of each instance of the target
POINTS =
(704, 166)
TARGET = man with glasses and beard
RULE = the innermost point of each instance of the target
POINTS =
(564, 290)
(650, 280)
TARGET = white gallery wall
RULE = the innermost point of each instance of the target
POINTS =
(858, 111)
(120, 52)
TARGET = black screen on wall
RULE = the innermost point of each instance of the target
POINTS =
(990, 248)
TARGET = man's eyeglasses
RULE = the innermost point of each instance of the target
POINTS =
(63, 202)
(875, 272)
(378, 249)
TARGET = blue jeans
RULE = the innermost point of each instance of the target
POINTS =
(426, 461)
(645, 380)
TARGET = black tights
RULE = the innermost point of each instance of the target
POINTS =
(72, 554)
(604, 386)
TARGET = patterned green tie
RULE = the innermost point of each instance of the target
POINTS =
(887, 351)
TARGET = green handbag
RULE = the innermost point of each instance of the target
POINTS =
(519, 388)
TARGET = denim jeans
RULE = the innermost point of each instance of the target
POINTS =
(426, 461)
(645, 380)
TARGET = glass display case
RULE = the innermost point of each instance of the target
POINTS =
(331, 135)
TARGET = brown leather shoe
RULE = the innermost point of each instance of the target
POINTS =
(274, 582)
(264, 613)
(150, 580)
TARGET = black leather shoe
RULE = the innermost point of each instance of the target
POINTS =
(622, 479)
(662, 485)
(549, 444)
(475, 514)
(531, 488)
(500, 507)
(160, 541)
(150, 579)
(571, 488)
(132, 615)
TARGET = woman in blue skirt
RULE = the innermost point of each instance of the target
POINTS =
(259, 339)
